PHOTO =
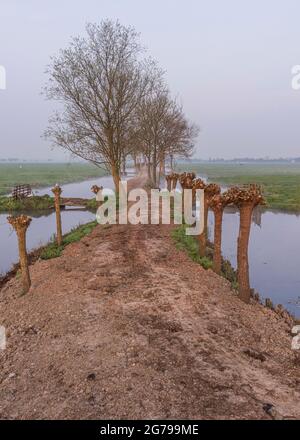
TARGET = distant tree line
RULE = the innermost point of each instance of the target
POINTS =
(114, 104)
(250, 160)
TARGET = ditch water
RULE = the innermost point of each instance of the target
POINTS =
(273, 251)
(274, 254)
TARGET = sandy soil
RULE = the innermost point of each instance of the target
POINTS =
(123, 325)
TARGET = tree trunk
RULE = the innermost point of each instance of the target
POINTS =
(161, 170)
(116, 176)
(169, 183)
(171, 161)
(149, 168)
(57, 192)
(174, 180)
(242, 252)
(58, 221)
(124, 165)
(20, 225)
(202, 237)
(26, 282)
(218, 240)
(154, 176)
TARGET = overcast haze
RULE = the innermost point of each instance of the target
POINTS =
(228, 62)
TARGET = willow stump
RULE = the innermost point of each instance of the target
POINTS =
(246, 199)
(97, 190)
(210, 191)
(57, 192)
(20, 225)
(186, 180)
(169, 182)
(242, 251)
(217, 204)
(174, 179)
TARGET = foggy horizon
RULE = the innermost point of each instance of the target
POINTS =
(228, 64)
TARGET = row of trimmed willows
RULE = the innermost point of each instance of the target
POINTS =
(245, 198)
(54, 249)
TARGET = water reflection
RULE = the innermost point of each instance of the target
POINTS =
(42, 228)
(273, 253)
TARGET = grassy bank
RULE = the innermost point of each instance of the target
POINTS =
(41, 175)
(280, 182)
(190, 245)
(52, 250)
(35, 203)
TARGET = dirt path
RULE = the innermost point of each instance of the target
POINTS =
(139, 181)
(123, 325)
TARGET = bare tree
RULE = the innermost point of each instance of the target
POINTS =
(163, 130)
(99, 80)
(178, 137)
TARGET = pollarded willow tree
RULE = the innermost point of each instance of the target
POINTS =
(99, 82)
(210, 190)
(20, 225)
(186, 180)
(217, 204)
(171, 180)
(246, 199)
(174, 180)
(197, 184)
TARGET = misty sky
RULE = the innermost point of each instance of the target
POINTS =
(229, 62)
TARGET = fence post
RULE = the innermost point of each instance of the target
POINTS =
(20, 225)
(57, 192)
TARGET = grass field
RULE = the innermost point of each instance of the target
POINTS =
(280, 182)
(40, 175)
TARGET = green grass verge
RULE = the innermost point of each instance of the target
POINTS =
(92, 204)
(52, 250)
(190, 244)
(45, 174)
(280, 182)
(38, 203)
(8, 204)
